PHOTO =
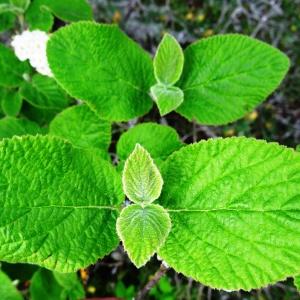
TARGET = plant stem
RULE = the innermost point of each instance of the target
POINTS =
(152, 282)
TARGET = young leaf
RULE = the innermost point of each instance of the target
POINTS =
(43, 92)
(50, 191)
(150, 136)
(297, 282)
(11, 102)
(10, 127)
(235, 210)
(7, 290)
(143, 230)
(82, 127)
(226, 76)
(113, 75)
(167, 98)
(168, 61)
(11, 69)
(142, 182)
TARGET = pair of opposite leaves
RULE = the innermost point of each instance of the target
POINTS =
(221, 78)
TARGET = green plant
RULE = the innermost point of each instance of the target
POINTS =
(226, 211)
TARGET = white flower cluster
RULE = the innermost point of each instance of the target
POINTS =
(32, 45)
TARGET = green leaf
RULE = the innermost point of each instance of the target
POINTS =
(168, 61)
(21, 4)
(298, 148)
(167, 98)
(7, 20)
(11, 69)
(7, 290)
(10, 127)
(113, 75)
(39, 14)
(150, 136)
(59, 204)
(82, 127)
(11, 102)
(235, 210)
(9, 8)
(226, 76)
(143, 230)
(142, 182)
(43, 92)
(297, 282)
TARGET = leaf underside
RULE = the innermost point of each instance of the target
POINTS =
(143, 230)
(235, 211)
(226, 76)
(58, 204)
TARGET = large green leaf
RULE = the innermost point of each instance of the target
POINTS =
(168, 61)
(11, 69)
(43, 92)
(235, 211)
(142, 182)
(58, 204)
(7, 290)
(150, 136)
(226, 76)
(101, 65)
(39, 14)
(82, 127)
(143, 230)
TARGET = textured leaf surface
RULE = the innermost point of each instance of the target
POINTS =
(150, 136)
(10, 126)
(43, 92)
(235, 211)
(7, 290)
(49, 191)
(101, 65)
(82, 127)
(143, 230)
(142, 182)
(226, 76)
(11, 69)
(11, 102)
(168, 61)
(297, 282)
(167, 98)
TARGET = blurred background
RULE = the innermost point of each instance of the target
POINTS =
(277, 119)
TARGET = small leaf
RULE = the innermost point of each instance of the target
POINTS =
(167, 98)
(21, 4)
(7, 290)
(168, 61)
(143, 230)
(142, 182)
(297, 282)
(11, 102)
(7, 20)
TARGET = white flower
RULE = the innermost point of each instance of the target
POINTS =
(32, 45)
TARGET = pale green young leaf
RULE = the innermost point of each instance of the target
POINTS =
(226, 76)
(11, 102)
(143, 230)
(50, 190)
(142, 182)
(235, 210)
(82, 127)
(167, 98)
(99, 64)
(11, 69)
(43, 92)
(168, 61)
(7, 290)
(150, 136)
(297, 282)
(10, 126)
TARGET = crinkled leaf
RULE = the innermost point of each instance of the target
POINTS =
(7, 290)
(150, 136)
(226, 76)
(167, 98)
(11, 102)
(43, 92)
(168, 61)
(11, 126)
(82, 127)
(11, 69)
(142, 182)
(235, 210)
(143, 230)
(102, 66)
(50, 191)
